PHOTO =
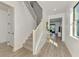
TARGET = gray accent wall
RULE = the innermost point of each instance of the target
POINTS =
(38, 10)
(27, 3)
(35, 10)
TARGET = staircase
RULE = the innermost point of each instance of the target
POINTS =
(34, 41)
(29, 43)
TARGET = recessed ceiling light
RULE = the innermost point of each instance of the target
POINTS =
(54, 9)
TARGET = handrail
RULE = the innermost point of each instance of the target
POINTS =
(37, 36)
(38, 26)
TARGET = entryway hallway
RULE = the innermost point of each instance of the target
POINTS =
(31, 29)
(48, 50)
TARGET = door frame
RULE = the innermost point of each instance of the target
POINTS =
(63, 22)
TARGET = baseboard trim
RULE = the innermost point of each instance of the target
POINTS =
(16, 49)
(68, 48)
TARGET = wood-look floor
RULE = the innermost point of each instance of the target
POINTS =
(6, 51)
(49, 50)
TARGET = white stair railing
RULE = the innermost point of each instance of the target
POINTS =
(38, 33)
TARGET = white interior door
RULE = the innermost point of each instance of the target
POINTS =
(3, 26)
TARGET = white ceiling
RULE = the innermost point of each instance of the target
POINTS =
(50, 6)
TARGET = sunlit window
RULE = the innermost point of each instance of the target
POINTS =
(76, 20)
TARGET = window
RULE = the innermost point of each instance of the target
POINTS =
(76, 20)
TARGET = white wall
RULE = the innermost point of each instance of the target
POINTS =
(24, 23)
(71, 42)
(3, 26)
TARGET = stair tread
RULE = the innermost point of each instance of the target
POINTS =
(29, 43)
(28, 46)
(25, 45)
(31, 35)
(29, 40)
